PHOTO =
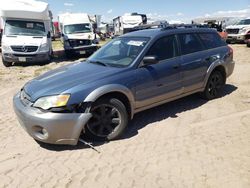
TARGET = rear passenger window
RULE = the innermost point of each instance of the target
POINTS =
(189, 43)
(211, 40)
(164, 48)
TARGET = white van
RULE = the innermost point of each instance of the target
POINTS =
(26, 31)
(77, 34)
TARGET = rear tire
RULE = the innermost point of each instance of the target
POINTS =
(248, 44)
(214, 86)
(110, 118)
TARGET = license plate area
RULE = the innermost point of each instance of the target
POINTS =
(22, 59)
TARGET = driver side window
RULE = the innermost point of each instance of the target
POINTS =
(164, 48)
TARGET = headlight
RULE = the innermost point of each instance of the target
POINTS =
(44, 47)
(52, 101)
(6, 48)
(243, 30)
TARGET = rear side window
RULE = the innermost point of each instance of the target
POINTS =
(164, 48)
(211, 40)
(190, 43)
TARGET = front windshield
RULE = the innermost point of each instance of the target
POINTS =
(120, 52)
(244, 22)
(27, 28)
(77, 28)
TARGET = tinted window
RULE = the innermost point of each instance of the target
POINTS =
(164, 48)
(211, 40)
(189, 43)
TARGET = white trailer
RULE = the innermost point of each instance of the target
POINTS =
(126, 23)
(77, 33)
(26, 31)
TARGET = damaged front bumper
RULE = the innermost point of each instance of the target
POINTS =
(50, 127)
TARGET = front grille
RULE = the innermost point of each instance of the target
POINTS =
(78, 43)
(232, 31)
(25, 98)
(24, 49)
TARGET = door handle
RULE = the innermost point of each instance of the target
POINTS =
(176, 66)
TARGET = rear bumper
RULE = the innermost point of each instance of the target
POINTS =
(18, 57)
(230, 68)
(48, 127)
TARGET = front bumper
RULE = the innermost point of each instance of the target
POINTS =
(82, 50)
(235, 38)
(49, 127)
(19, 57)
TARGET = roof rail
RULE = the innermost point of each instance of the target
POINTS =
(166, 26)
(183, 26)
(150, 26)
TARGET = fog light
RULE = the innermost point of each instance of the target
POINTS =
(40, 133)
(45, 133)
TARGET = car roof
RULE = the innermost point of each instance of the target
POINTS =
(166, 31)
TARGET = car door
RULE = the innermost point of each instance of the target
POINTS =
(193, 63)
(158, 82)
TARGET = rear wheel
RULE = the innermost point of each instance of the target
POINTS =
(214, 85)
(109, 120)
(248, 44)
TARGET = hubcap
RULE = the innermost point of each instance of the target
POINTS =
(214, 85)
(105, 119)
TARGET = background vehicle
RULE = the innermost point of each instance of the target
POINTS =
(238, 32)
(26, 32)
(126, 23)
(132, 73)
(56, 29)
(217, 23)
(77, 34)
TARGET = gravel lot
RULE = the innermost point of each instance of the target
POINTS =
(185, 143)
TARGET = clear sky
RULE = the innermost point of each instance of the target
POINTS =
(183, 10)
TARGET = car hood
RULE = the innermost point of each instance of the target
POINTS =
(59, 80)
(238, 26)
(24, 40)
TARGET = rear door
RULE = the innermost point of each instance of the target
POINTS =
(159, 81)
(193, 64)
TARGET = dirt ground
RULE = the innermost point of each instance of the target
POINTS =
(185, 143)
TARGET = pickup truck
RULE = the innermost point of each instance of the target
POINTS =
(238, 32)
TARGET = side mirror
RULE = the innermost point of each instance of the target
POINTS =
(149, 60)
(49, 35)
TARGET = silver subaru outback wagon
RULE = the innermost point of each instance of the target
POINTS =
(132, 73)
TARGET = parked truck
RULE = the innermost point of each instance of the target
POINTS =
(77, 34)
(26, 31)
(238, 32)
(127, 22)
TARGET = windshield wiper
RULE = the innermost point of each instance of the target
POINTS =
(99, 63)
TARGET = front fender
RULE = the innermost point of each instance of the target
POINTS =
(106, 89)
